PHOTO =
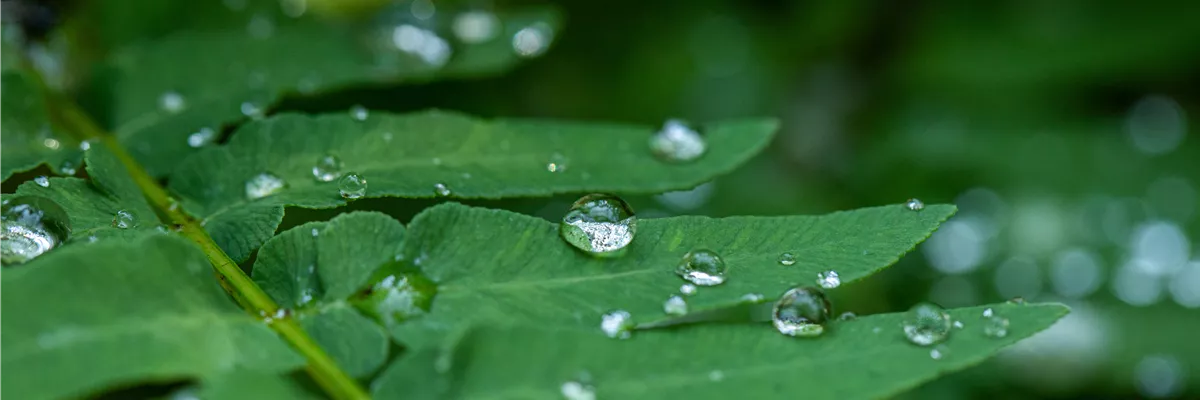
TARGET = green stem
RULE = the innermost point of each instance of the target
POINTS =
(321, 367)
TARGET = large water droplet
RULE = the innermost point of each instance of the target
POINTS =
(32, 226)
(202, 137)
(359, 113)
(675, 305)
(327, 168)
(352, 186)
(475, 26)
(617, 324)
(787, 259)
(123, 219)
(926, 324)
(172, 102)
(573, 390)
(995, 326)
(802, 312)
(441, 189)
(702, 267)
(42, 181)
(599, 224)
(915, 204)
(829, 279)
(397, 292)
(533, 40)
(263, 185)
(677, 142)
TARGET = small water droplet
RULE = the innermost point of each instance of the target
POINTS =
(533, 40)
(252, 110)
(599, 224)
(42, 181)
(847, 316)
(424, 44)
(687, 289)
(677, 142)
(1016, 300)
(926, 324)
(915, 205)
(753, 298)
(327, 168)
(958, 325)
(352, 186)
(801, 312)
(702, 267)
(51, 143)
(172, 102)
(675, 305)
(316, 232)
(787, 259)
(67, 168)
(441, 189)
(32, 226)
(716, 376)
(263, 185)
(572, 390)
(475, 26)
(617, 324)
(995, 326)
(123, 219)
(202, 137)
(92, 239)
(558, 163)
(829, 279)
(359, 113)
(85, 145)
(987, 312)
(938, 352)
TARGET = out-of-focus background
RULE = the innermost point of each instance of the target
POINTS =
(1064, 130)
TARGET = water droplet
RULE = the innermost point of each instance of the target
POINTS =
(424, 44)
(202, 137)
(847, 316)
(829, 279)
(801, 311)
(787, 259)
(51, 143)
(85, 145)
(252, 110)
(352, 186)
(316, 232)
(397, 293)
(573, 390)
(702, 267)
(67, 168)
(327, 168)
(557, 163)
(995, 326)
(263, 185)
(32, 226)
(441, 189)
(92, 239)
(123, 219)
(475, 26)
(926, 324)
(687, 289)
(617, 324)
(599, 224)
(675, 305)
(677, 142)
(42, 181)
(172, 102)
(958, 325)
(936, 353)
(915, 205)
(1016, 300)
(359, 113)
(987, 312)
(753, 298)
(533, 40)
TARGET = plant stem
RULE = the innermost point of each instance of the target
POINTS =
(321, 367)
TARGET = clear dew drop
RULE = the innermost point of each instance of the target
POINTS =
(599, 224)
(263, 185)
(572, 390)
(252, 110)
(801, 312)
(829, 279)
(441, 189)
(753, 298)
(396, 293)
(123, 219)
(475, 26)
(847, 316)
(959, 325)
(201, 137)
(67, 168)
(987, 312)
(926, 324)
(51, 143)
(32, 226)
(787, 259)
(558, 163)
(995, 326)
(327, 168)
(702, 267)
(85, 145)
(687, 289)
(172, 102)
(915, 205)
(677, 142)
(533, 40)
(937, 353)
(675, 305)
(42, 181)
(617, 324)
(352, 186)
(359, 113)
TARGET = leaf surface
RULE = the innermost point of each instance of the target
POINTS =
(859, 359)
(28, 137)
(406, 155)
(85, 318)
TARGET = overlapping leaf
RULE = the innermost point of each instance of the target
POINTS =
(85, 318)
(864, 358)
(28, 137)
(406, 155)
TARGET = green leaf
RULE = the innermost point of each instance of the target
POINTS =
(28, 137)
(502, 268)
(248, 385)
(405, 155)
(295, 58)
(91, 205)
(86, 318)
(859, 359)
(315, 267)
